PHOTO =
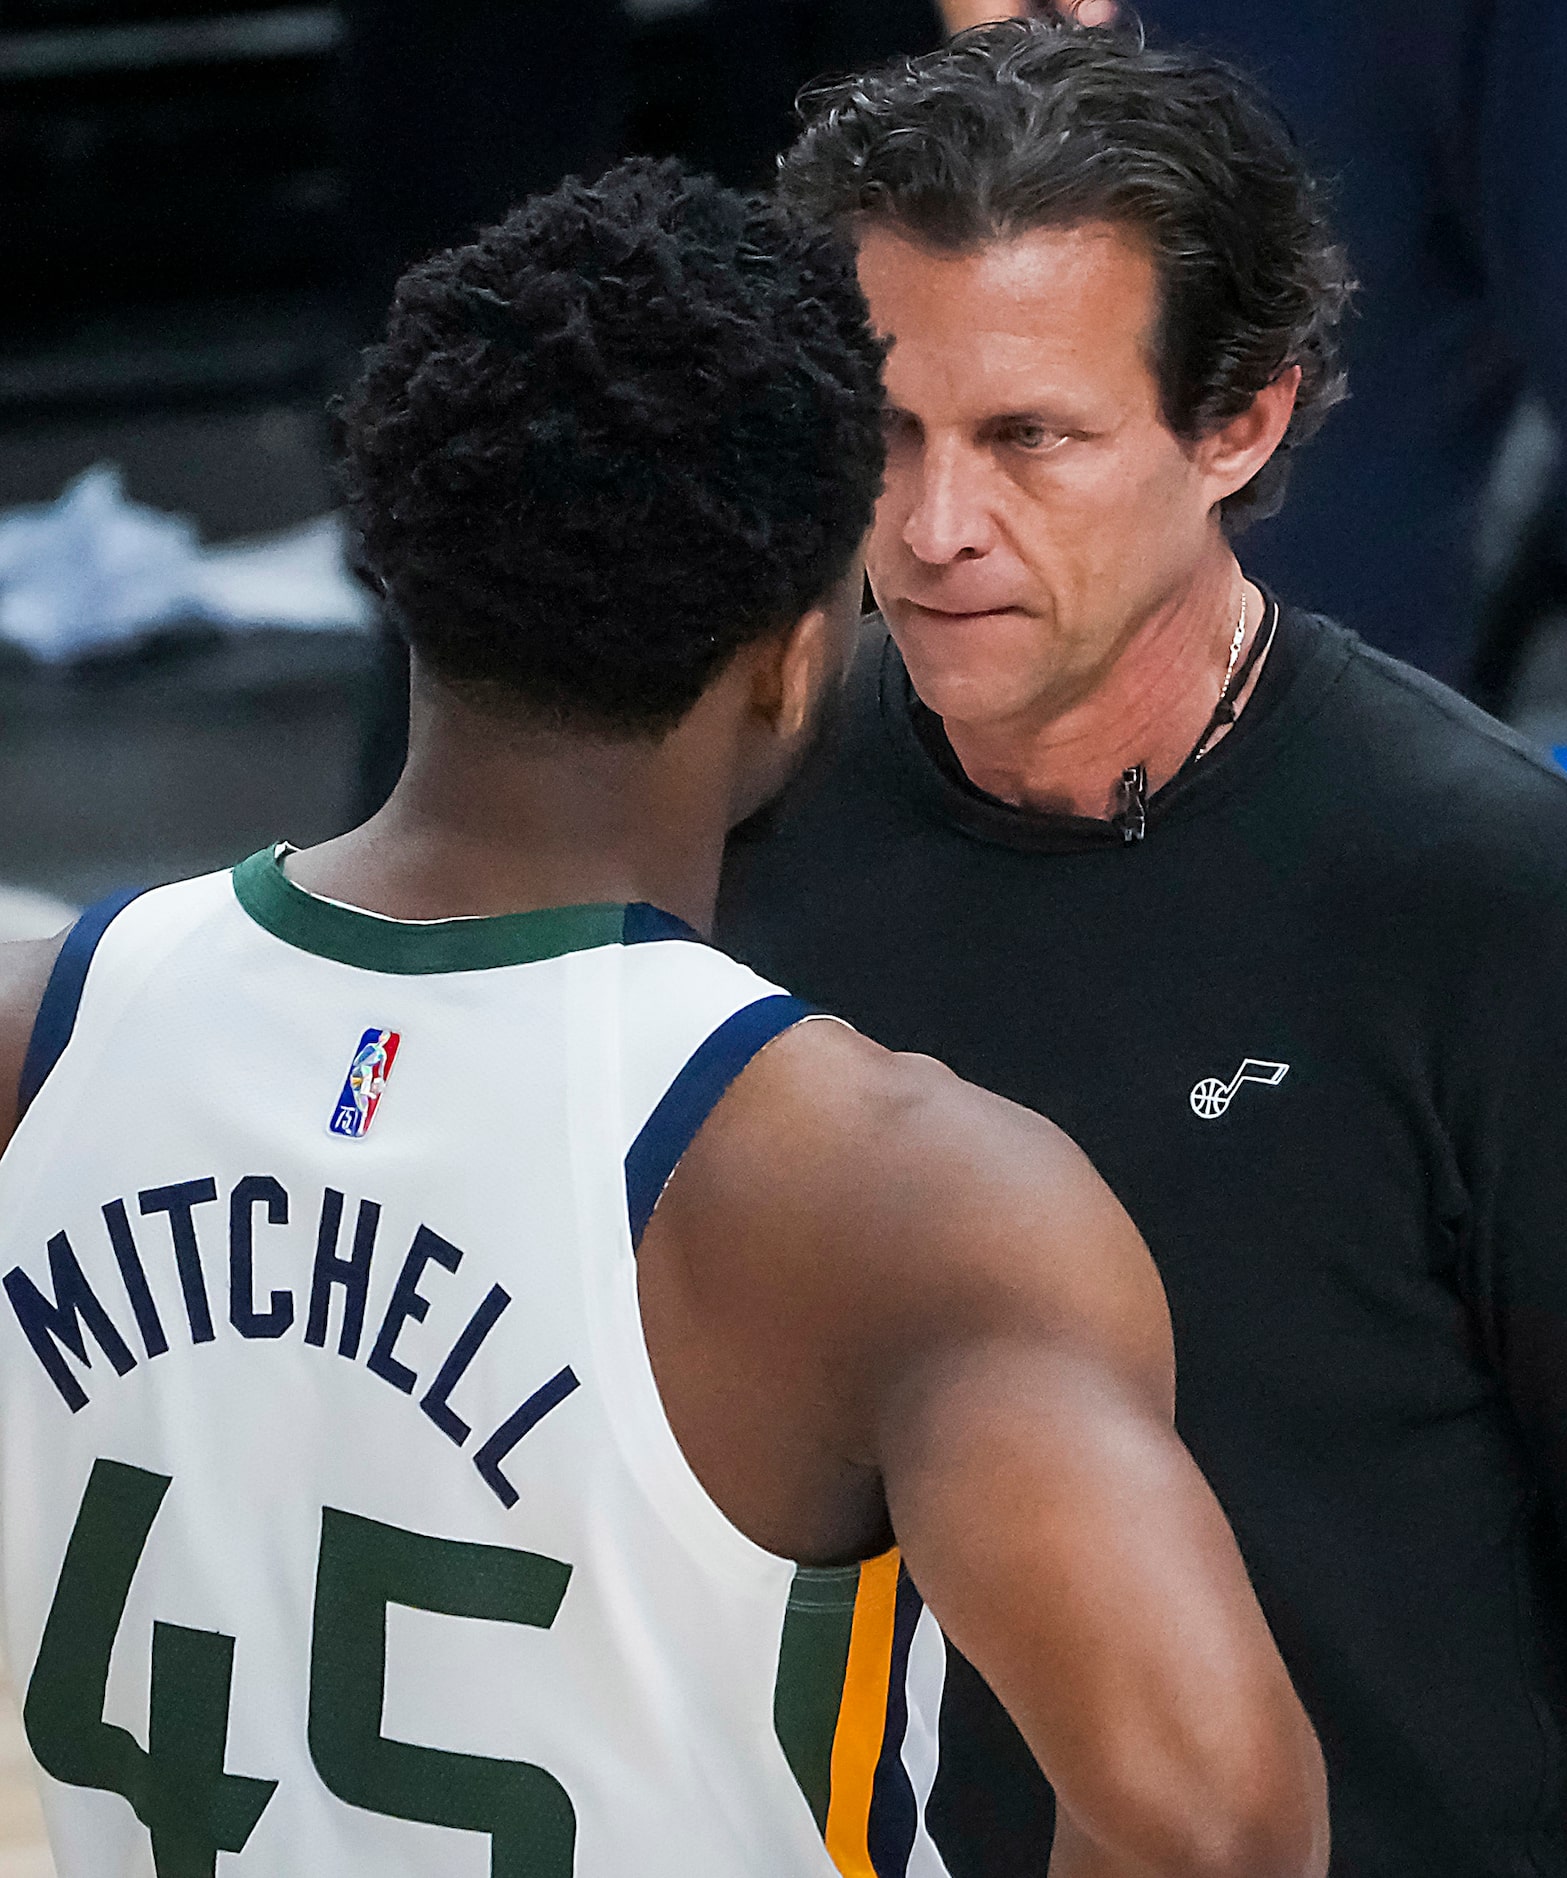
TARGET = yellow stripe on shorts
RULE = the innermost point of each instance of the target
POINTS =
(862, 1717)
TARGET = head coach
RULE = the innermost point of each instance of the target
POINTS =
(1274, 925)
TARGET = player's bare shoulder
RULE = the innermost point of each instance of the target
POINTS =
(879, 1192)
(24, 972)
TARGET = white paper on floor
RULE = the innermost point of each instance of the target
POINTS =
(95, 570)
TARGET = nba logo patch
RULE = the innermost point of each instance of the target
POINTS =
(365, 1082)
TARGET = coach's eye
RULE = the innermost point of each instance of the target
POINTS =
(1037, 437)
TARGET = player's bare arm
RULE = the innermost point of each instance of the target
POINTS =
(880, 1302)
(24, 971)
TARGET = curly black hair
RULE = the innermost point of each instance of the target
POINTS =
(629, 430)
(1027, 125)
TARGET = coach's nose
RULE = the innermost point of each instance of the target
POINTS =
(948, 517)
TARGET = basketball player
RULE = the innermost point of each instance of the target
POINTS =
(468, 1347)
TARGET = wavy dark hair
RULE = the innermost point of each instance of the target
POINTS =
(632, 428)
(1027, 125)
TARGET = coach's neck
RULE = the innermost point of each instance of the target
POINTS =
(1147, 704)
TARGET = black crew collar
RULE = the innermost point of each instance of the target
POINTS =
(1306, 656)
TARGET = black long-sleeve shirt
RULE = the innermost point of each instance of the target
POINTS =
(1313, 1031)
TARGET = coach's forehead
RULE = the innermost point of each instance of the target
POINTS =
(1067, 313)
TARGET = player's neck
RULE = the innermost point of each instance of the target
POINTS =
(1149, 707)
(490, 818)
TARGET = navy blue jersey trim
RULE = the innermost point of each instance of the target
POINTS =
(646, 923)
(56, 1017)
(692, 1097)
(894, 1818)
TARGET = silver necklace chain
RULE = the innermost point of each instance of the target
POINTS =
(1132, 820)
(1235, 649)
(1223, 711)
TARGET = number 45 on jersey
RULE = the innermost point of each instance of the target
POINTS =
(177, 1785)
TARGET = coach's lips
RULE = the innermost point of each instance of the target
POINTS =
(955, 616)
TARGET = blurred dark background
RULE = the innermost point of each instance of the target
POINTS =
(206, 203)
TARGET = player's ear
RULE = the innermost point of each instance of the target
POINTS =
(804, 660)
(813, 655)
(1230, 456)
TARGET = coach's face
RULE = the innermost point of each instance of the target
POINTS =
(1038, 508)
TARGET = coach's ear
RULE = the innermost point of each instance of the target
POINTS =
(1230, 456)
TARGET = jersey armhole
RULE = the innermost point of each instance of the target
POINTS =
(674, 1124)
(62, 997)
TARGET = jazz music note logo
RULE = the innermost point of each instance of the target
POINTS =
(1211, 1097)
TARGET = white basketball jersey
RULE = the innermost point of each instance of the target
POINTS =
(342, 1533)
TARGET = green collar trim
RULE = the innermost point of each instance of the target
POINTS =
(411, 948)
